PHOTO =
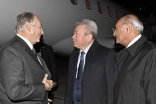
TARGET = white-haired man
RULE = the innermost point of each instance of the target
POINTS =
(91, 82)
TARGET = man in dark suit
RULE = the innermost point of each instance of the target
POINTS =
(24, 77)
(47, 54)
(94, 84)
(135, 72)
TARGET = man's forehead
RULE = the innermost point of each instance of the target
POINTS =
(37, 20)
(120, 21)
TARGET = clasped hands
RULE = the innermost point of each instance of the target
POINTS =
(48, 83)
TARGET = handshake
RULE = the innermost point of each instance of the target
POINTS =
(48, 83)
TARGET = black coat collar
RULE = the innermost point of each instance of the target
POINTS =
(135, 48)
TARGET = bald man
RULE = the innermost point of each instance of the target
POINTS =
(135, 72)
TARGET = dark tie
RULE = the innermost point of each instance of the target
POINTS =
(34, 51)
(80, 68)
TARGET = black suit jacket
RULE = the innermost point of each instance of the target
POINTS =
(98, 76)
(21, 74)
(47, 55)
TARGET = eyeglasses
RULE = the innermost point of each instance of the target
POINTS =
(114, 29)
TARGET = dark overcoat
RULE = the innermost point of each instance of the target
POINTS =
(135, 81)
(47, 55)
(98, 75)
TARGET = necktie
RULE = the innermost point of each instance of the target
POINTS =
(80, 68)
(34, 51)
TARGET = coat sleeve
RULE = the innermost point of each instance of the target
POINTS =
(13, 77)
(110, 66)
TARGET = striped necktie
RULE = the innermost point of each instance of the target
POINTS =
(34, 51)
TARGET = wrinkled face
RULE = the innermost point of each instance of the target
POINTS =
(79, 38)
(120, 33)
(36, 30)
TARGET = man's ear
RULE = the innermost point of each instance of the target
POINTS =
(28, 26)
(129, 28)
(89, 37)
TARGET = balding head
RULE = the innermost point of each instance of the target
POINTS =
(127, 28)
(134, 21)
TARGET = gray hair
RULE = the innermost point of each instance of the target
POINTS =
(135, 22)
(22, 19)
(90, 27)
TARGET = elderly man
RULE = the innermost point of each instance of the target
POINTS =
(135, 73)
(24, 77)
(91, 68)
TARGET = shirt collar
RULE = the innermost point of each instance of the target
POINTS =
(133, 41)
(86, 50)
(29, 44)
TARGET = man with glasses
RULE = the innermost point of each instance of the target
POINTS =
(135, 72)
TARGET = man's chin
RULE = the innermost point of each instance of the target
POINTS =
(117, 41)
(38, 40)
(74, 44)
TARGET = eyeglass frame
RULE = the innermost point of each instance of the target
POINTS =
(114, 29)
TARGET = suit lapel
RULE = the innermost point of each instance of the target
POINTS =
(30, 52)
(44, 67)
(92, 50)
(27, 49)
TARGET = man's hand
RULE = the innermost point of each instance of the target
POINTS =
(54, 84)
(48, 83)
(49, 101)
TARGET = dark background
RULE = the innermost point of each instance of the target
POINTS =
(142, 7)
